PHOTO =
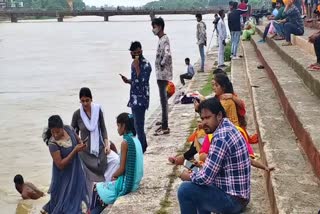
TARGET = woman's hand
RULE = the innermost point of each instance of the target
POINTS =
(80, 147)
(113, 178)
(196, 105)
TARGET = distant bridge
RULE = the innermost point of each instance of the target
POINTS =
(19, 13)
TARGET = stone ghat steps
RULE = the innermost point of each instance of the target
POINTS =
(300, 105)
(298, 57)
(259, 203)
(292, 187)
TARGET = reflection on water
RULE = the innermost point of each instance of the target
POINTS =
(44, 63)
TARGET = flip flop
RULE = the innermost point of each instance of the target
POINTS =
(260, 67)
(314, 68)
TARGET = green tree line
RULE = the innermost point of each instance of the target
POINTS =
(53, 4)
(190, 4)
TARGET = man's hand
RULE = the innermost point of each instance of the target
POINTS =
(282, 21)
(185, 175)
(107, 147)
(124, 79)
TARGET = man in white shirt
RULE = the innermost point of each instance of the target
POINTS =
(222, 31)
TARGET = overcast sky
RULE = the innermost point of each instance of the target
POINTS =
(117, 2)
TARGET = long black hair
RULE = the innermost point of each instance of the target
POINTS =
(128, 121)
(224, 81)
(54, 121)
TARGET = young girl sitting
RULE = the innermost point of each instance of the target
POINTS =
(128, 176)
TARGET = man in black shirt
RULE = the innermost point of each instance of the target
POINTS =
(234, 22)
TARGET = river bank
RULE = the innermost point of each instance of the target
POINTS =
(157, 193)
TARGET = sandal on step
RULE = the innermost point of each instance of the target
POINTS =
(162, 132)
(286, 44)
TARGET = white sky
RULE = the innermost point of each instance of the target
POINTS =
(116, 2)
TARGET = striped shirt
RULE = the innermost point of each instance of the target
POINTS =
(228, 164)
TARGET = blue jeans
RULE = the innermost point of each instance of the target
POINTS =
(235, 39)
(139, 116)
(204, 199)
(201, 50)
(279, 28)
(289, 29)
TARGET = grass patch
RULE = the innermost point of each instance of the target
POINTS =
(228, 69)
(166, 203)
(207, 88)
(227, 52)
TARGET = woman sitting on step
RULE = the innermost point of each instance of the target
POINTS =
(128, 176)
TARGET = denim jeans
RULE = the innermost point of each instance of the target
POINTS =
(279, 28)
(235, 39)
(162, 85)
(138, 113)
(204, 199)
(201, 50)
(289, 29)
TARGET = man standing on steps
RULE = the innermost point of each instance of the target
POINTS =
(163, 66)
(222, 185)
(201, 39)
(139, 90)
(222, 35)
(234, 23)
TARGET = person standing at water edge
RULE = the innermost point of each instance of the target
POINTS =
(163, 66)
(68, 184)
(201, 39)
(139, 90)
(99, 161)
(223, 184)
(222, 39)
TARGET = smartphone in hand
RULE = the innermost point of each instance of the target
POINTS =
(191, 166)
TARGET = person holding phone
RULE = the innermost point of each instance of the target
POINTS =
(139, 90)
(99, 158)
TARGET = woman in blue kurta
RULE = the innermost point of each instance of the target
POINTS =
(128, 176)
(68, 191)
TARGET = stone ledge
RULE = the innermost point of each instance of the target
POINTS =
(280, 148)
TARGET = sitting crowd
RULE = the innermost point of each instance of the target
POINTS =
(221, 151)
(285, 20)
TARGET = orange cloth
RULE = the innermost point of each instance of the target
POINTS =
(196, 136)
(231, 110)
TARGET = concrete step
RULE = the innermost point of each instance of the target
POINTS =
(299, 59)
(292, 187)
(259, 200)
(300, 105)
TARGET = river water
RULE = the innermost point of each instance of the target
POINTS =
(43, 64)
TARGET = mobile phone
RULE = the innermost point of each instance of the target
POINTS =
(189, 165)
